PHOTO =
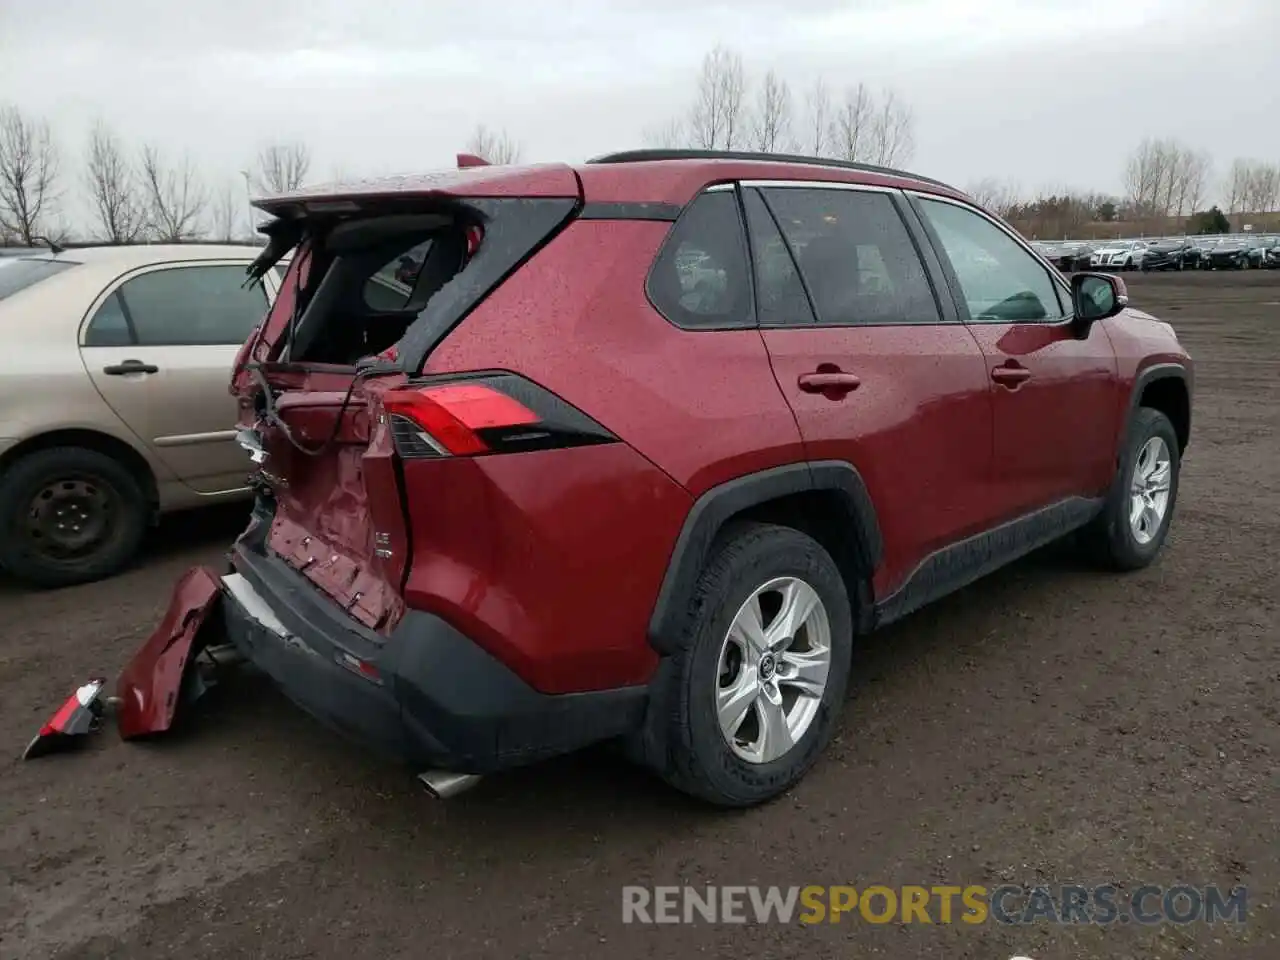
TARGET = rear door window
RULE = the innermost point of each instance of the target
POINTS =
(700, 279)
(781, 300)
(858, 260)
(109, 326)
(192, 305)
(19, 273)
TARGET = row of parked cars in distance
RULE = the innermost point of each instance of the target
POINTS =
(1233, 252)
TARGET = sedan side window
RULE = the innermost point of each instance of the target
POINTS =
(999, 279)
(109, 326)
(195, 305)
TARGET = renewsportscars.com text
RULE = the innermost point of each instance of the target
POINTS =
(1143, 904)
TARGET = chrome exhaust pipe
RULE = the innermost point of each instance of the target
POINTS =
(442, 784)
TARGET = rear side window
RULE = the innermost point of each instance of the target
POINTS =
(701, 279)
(18, 274)
(186, 306)
(856, 255)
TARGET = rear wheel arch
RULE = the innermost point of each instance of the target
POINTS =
(827, 500)
(94, 440)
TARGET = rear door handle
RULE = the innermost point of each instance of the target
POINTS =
(1010, 376)
(833, 385)
(129, 366)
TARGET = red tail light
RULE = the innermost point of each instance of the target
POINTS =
(492, 413)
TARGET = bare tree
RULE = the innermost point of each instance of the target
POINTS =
(998, 196)
(495, 146)
(1262, 188)
(1236, 187)
(226, 209)
(771, 127)
(893, 132)
(281, 167)
(1194, 180)
(28, 175)
(716, 119)
(175, 197)
(1146, 177)
(817, 121)
(850, 134)
(118, 206)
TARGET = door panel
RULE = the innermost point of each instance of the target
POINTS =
(875, 374)
(1054, 430)
(182, 411)
(159, 349)
(1054, 393)
(917, 427)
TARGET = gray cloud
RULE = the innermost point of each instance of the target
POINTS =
(1042, 91)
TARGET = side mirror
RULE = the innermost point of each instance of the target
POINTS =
(1096, 296)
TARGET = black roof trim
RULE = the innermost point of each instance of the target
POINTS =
(645, 156)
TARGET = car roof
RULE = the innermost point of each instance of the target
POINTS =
(638, 176)
(126, 257)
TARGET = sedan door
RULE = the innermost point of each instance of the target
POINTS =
(1055, 393)
(876, 366)
(159, 347)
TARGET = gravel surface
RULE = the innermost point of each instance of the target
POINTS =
(1048, 725)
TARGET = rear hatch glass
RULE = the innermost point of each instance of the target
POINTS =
(366, 293)
(19, 273)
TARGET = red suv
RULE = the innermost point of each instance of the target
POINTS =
(647, 442)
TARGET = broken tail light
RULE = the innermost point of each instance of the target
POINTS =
(485, 414)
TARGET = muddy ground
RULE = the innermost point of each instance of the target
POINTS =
(1049, 724)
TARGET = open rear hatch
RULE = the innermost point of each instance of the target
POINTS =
(381, 273)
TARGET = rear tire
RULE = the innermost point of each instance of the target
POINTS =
(1135, 520)
(69, 515)
(691, 738)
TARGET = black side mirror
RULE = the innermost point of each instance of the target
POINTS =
(1096, 296)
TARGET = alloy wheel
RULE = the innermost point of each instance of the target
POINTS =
(1149, 490)
(773, 669)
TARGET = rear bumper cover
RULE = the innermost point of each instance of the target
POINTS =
(429, 696)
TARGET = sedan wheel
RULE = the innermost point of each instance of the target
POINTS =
(69, 515)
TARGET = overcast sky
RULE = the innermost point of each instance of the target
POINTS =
(1040, 91)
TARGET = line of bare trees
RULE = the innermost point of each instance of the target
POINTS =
(1164, 181)
(132, 195)
(730, 111)
(1252, 187)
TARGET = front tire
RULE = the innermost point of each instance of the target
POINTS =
(743, 709)
(1135, 520)
(69, 515)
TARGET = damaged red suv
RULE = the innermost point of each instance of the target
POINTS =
(642, 445)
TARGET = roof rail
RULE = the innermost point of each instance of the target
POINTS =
(644, 156)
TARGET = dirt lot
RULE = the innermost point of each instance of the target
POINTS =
(1049, 724)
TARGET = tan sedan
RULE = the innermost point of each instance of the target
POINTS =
(114, 405)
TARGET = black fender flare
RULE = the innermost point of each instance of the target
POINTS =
(717, 505)
(1146, 377)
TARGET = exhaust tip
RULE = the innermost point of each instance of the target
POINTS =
(442, 784)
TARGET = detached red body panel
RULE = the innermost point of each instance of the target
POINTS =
(150, 685)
